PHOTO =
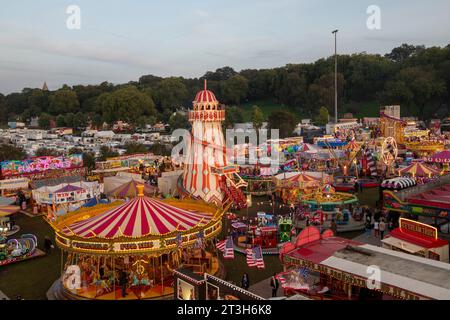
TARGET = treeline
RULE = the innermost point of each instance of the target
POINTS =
(415, 77)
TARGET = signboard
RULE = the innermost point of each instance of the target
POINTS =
(40, 164)
(411, 226)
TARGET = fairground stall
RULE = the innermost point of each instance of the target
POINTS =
(342, 269)
(417, 238)
(7, 223)
(63, 198)
(10, 187)
(147, 166)
(135, 247)
(442, 158)
(46, 167)
(428, 202)
(191, 286)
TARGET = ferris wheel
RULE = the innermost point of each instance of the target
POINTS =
(389, 151)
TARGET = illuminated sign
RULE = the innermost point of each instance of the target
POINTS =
(418, 227)
(90, 246)
(40, 164)
(133, 246)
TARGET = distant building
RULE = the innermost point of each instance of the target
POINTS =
(16, 124)
(44, 87)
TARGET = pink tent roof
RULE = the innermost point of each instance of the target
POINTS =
(139, 217)
(68, 188)
(440, 157)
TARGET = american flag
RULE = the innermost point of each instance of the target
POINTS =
(303, 272)
(227, 247)
(255, 257)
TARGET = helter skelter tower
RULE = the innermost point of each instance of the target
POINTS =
(206, 171)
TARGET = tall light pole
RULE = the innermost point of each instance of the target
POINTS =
(335, 76)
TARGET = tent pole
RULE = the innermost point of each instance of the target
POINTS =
(162, 277)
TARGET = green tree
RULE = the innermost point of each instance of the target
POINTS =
(283, 121)
(46, 152)
(89, 160)
(126, 104)
(322, 117)
(179, 121)
(233, 115)
(135, 147)
(75, 150)
(60, 121)
(63, 101)
(10, 152)
(44, 121)
(107, 152)
(234, 89)
(257, 118)
(171, 93)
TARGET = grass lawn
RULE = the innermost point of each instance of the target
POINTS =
(363, 109)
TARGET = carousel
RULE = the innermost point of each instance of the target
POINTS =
(131, 250)
(325, 206)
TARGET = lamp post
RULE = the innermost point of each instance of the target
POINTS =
(335, 76)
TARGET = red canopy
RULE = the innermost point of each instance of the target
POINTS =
(440, 157)
(140, 217)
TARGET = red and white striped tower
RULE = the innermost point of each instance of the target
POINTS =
(207, 148)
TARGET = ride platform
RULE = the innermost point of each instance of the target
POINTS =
(36, 254)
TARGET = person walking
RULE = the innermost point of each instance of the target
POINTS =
(382, 228)
(123, 281)
(245, 282)
(48, 245)
(376, 228)
(274, 284)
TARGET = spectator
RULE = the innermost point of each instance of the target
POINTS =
(48, 245)
(382, 228)
(245, 282)
(376, 228)
(274, 284)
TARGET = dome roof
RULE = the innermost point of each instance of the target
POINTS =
(205, 96)
(139, 217)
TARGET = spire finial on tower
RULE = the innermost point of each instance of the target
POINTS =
(205, 83)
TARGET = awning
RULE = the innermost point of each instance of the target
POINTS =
(403, 245)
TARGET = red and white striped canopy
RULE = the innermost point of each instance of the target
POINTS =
(139, 217)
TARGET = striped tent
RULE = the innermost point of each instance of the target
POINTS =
(418, 169)
(370, 162)
(139, 217)
(130, 190)
(302, 179)
(398, 183)
(440, 157)
(8, 210)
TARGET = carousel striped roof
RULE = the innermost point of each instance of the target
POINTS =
(130, 190)
(137, 218)
(419, 169)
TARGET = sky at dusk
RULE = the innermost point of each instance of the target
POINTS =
(121, 40)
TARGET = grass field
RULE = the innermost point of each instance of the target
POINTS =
(363, 109)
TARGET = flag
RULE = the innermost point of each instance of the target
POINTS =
(199, 241)
(255, 257)
(221, 245)
(303, 272)
(228, 253)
